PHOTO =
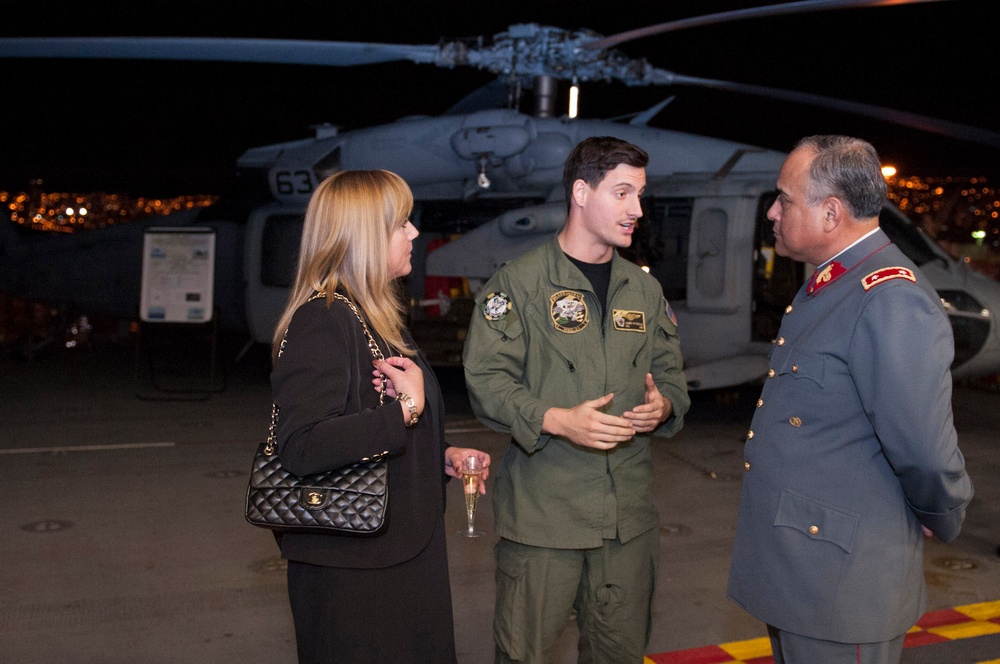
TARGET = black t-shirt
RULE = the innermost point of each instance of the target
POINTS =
(599, 275)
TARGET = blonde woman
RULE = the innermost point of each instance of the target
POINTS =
(383, 598)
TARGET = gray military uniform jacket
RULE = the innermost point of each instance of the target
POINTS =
(851, 449)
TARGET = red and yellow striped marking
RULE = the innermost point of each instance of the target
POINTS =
(961, 622)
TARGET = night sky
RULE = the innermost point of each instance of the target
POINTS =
(160, 128)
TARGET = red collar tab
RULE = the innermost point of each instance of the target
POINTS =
(825, 277)
(885, 274)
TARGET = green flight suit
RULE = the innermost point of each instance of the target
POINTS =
(547, 491)
(537, 342)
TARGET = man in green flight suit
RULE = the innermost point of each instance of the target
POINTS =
(574, 352)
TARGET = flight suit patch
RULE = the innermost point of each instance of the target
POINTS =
(629, 321)
(496, 306)
(886, 274)
(569, 311)
(670, 312)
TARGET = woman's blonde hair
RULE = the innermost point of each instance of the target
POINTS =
(345, 243)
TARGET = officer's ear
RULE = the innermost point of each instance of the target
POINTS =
(834, 213)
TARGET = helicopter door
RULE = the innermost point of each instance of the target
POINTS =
(271, 254)
(776, 279)
(661, 242)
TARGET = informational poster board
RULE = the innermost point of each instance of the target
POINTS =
(178, 273)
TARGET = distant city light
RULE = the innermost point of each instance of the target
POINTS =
(888, 171)
(65, 213)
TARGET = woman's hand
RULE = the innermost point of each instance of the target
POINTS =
(406, 378)
(377, 376)
(453, 457)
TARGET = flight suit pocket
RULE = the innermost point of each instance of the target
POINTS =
(511, 603)
(817, 521)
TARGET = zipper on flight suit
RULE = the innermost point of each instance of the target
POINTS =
(604, 318)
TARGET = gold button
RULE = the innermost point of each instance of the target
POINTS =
(746, 464)
(770, 373)
(795, 368)
(750, 434)
(781, 341)
(760, 402)
(788, 309)
(795, 421)
(813, 530)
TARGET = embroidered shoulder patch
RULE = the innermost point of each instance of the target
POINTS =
(497, 305)
(887, 274)
(670, 312)
(569, 311)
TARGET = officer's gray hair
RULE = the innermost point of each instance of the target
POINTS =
(846, 168)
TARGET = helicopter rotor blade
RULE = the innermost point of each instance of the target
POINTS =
(904, 118)
(268, 51)
(786, 9)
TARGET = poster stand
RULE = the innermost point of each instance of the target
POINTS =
(177, 342)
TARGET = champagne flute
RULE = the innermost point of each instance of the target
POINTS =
(472, 472)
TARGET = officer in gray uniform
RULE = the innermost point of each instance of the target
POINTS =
(852, 457)
(575, 354)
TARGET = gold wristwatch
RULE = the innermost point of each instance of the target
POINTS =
(408, 402)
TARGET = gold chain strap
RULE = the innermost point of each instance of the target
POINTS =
(376, 353)
(372, 346)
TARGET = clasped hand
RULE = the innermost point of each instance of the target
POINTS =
(586, 425)
(403, 376)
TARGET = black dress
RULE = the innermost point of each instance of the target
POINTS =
(384, 598)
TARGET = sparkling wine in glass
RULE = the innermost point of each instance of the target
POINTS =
(472, 474)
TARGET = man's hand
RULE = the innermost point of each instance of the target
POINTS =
(586, 425)
(655, 409)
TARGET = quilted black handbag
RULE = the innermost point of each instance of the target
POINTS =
(349, 500)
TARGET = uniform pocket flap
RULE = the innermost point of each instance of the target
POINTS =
(805, 365)
(817, 521)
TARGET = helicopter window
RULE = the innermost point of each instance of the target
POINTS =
(662, 243)
(710, 272)
(906, 236)
(279, 251)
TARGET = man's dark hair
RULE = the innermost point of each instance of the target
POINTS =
(846, 168)
(594, 157)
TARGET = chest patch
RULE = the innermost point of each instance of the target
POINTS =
(497, 305)
(887, 274)
(569, 311)
(629, 321)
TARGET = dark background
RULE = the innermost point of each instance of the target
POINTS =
(163, 128)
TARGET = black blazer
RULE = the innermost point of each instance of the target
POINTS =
(329, 416)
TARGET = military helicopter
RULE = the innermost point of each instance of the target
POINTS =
(487, 182)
